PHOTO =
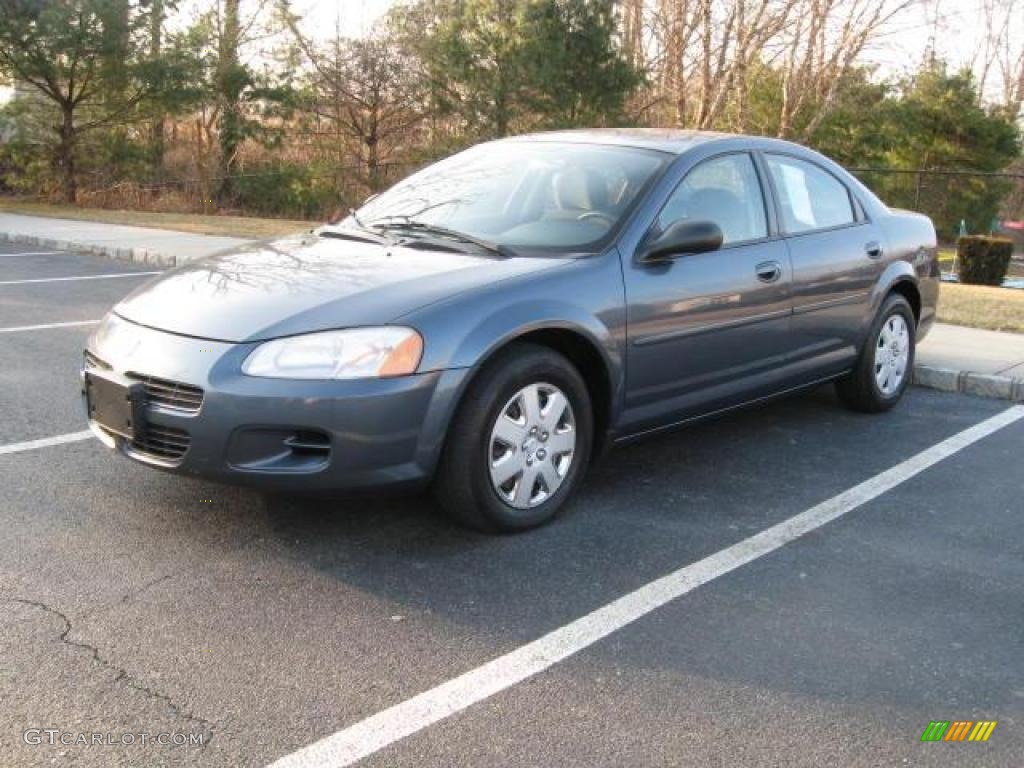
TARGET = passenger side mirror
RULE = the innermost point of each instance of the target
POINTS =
(681, 237)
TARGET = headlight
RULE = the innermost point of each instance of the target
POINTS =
(358, 353)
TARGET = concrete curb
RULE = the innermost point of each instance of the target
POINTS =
(969, 383)
(137, 255)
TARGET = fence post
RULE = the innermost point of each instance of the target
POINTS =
(917, 190)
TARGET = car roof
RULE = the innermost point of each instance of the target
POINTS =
(671, 140)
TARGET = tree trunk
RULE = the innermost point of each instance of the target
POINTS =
(229, 86)
(156, 128)
(373, 163)
(66, 156)
(500, 114)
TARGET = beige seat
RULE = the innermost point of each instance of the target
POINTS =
(576, 191)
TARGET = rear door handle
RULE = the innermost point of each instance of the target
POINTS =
(873, 250)
(768, 271)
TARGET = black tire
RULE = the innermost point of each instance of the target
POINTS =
(859, 389)
(462, 485)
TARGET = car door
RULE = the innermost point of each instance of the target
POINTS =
(836, 253)
(711, 329)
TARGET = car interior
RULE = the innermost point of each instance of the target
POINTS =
(558, 200)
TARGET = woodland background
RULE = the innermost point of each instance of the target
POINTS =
(242, 106)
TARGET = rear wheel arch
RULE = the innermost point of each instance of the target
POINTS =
(860, 388)
(897, 277)
(908, 290)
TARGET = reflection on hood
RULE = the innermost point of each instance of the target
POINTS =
(308, 282)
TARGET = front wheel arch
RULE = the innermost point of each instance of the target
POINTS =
(459, 483)
(579, 348)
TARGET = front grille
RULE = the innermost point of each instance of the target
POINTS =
(170, 394)
(168, 443)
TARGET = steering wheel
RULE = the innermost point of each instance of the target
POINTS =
(596, 215)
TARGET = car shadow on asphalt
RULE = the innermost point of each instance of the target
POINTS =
(645, 509)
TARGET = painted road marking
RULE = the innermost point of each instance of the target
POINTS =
(35, 253)
(68, 279)
(18, 328)
(378, 731)
(45, 442)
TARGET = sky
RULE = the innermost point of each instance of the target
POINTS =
(355, 16)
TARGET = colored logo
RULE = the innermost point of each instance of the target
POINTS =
(958, 730)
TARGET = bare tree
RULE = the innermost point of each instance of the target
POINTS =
(366, 89)
(633, 32)
(704, 52)
(826, 39)
(1001, 54)
(706, 49)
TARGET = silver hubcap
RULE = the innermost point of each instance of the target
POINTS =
(532, 445)
(892, 353)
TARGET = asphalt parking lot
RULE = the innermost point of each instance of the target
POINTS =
(136, 602)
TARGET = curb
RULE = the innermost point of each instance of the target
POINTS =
(137, 255)
(969, 383)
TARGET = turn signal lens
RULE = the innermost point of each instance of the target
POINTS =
(404, 358)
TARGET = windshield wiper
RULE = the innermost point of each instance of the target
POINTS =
(451, 234)
(358, 232)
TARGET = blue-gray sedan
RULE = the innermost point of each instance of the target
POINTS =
(491, 323)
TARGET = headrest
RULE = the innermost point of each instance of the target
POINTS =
(576, 189)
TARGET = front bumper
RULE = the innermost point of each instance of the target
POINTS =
(274, 434)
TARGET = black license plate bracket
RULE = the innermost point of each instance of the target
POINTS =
(115, 406)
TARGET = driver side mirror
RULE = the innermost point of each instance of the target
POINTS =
(682, 237)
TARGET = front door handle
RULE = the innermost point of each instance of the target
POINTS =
(768, 271)
(873, 249)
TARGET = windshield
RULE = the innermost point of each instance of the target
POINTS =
(534, 195)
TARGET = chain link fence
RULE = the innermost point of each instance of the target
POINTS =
(957, 201)
(293, 191)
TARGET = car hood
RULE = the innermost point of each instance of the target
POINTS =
(309, 283)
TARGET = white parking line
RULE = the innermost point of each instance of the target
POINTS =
(45, 442)
(82, 277)
(19, 328)
(35, 253)
(390, 725)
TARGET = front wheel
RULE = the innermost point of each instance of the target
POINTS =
(886, 362)
(519, 443)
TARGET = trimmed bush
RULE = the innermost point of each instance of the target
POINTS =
(983, 260)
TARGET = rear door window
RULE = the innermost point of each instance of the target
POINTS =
(810, 198)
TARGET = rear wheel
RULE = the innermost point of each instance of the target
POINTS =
(519, 443)
(886, 361)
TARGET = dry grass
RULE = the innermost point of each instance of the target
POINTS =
(977, 306)
(230, 226)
